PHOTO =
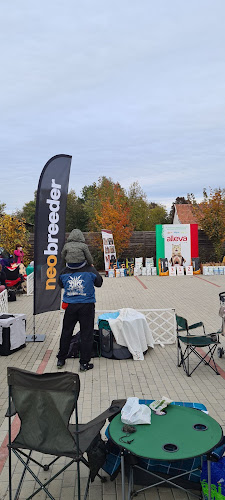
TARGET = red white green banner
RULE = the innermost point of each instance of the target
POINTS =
(177, 242)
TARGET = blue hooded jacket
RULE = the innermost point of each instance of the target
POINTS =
(79, 284)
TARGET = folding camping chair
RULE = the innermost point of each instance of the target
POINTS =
(14, 279)
(45, 404)
(192, 343)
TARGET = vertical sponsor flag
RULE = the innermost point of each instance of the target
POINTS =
(50, 218)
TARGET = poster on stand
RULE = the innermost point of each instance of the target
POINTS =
(177, 242)
(109, 249)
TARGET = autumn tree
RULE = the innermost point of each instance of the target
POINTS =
(156, 215)
(139, 206)
(95, 194)
(144, 214)
(114, 215)
(211, 217)
(2, 208)
(75, 214)
(13, 231)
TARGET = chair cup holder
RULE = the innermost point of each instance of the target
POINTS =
(170, 447)
(200, 427)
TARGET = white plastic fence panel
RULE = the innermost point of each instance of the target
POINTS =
(4, 302)
(30, 284)
(162, 323)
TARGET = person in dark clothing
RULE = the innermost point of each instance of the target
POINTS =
(79, 304)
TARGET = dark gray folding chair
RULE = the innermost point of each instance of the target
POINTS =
(45, 404)
(191, 343)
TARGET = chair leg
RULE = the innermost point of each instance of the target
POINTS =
(22, 477)
(10, 474)
(87, 486)
(184, 360)
(188, 364)
(179, 354)
(210, 353)
(78, 479)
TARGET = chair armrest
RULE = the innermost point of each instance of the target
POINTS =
(196, 325)
(214, 336)
(111, 412)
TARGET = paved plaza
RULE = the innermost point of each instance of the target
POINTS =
(194, 297)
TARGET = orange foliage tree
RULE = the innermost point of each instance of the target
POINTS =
(113, 213)
(211, 217)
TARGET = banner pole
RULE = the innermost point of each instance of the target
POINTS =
(34, 327)
(34, 337)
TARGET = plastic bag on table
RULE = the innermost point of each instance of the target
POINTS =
(134, 413)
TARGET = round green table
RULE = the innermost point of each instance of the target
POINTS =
(180, 434)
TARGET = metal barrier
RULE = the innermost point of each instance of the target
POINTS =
(4, 302)
(162, 323)
(30, 284)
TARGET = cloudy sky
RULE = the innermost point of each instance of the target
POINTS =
(132, 89)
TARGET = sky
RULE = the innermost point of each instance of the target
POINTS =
(133, 90)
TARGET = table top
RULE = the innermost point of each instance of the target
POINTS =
(187, 432)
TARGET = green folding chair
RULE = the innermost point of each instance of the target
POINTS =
(45, 404)
(188, 344)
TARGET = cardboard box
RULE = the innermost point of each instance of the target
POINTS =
(189, 270)
(172, 271)
(180, 271)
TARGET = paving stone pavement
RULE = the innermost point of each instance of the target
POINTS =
(194, 297)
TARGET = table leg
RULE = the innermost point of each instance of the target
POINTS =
(209, 478)
(123, 475)
(131, 482)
